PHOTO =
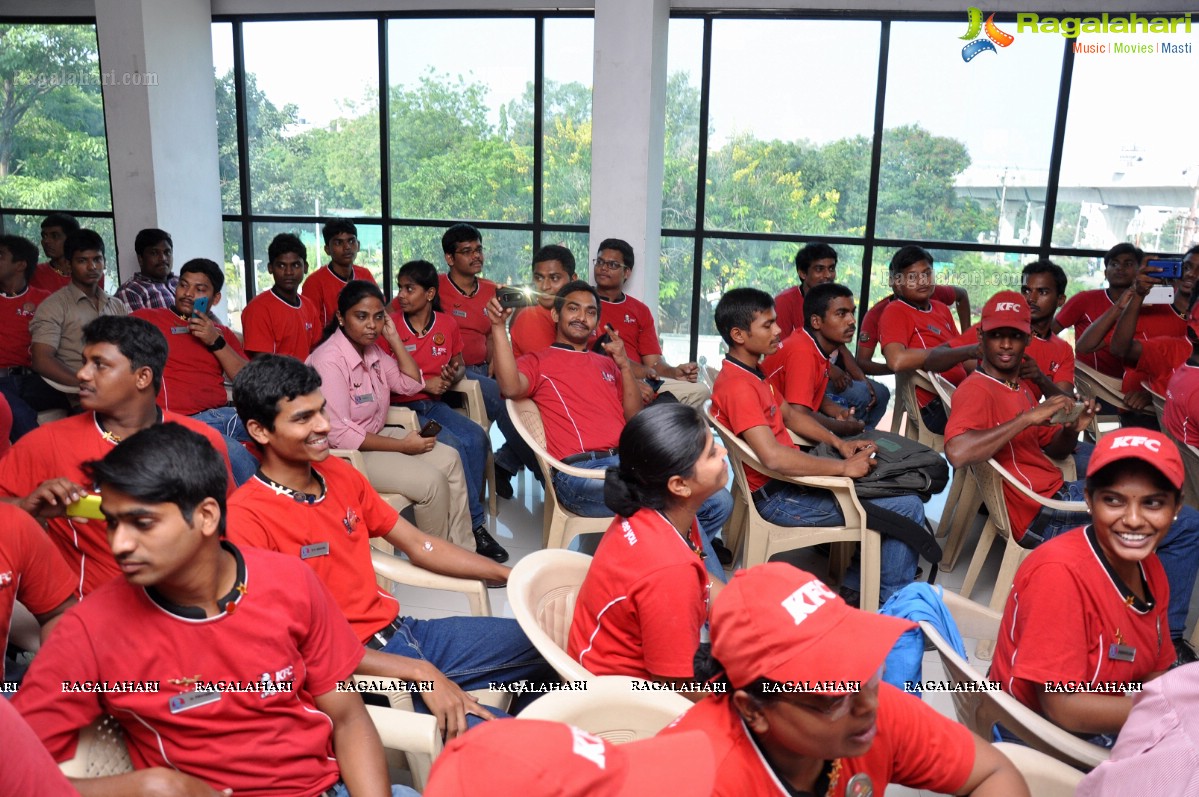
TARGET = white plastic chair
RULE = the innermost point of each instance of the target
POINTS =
(614, 707)
(542, 590)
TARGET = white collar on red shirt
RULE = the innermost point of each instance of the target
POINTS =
(329, 266)
(753, 370)
(227, 601)
(450, 279)
(432, 323)
(299, 302)
(623, 296)
(815, 344)
(1126, 595)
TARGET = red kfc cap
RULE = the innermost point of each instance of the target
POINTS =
(1143, 444)
(536, 758)
(1006, 309)
(778, 622)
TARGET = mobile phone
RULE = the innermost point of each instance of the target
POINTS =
(1068, 415)
(200, 306)
(512, 297)
(86, 507)
(430, 429)
(1170, 269)
(1159, 294)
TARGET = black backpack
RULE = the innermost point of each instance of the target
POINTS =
(905, 467)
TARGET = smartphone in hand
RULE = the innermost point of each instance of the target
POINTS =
(430, 429)
(200, 306)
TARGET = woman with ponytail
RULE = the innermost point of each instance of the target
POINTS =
(645, 598)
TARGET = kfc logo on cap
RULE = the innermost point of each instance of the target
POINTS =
(588, 746)
(1010, 307)
(1132, 441)
(807, 599)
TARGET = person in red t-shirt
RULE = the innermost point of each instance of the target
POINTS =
(806, 711)
(124, 359)
(1181, 416)
(201, 355)
(585, 399)
(1043, 284)
(243, 649)
(317, 508)
(915, 331)
(31, 572)
(645, 598)
(26, 391)
(800, 369)
(55, 271)
(868, 334)
(281, 321)
(634, 322)
(995, 416)
(847, 385)
(26, 767)
(435, 343)
(749, 406)
(323, 285)
(1087, 607)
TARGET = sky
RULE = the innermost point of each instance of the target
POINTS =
(814, 80)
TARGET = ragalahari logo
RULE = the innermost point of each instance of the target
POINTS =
(975, 27)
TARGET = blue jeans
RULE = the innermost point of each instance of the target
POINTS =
(1178, 550)
(585, 497)
(473, 652)
(1082, 456)
(226, 421)
(795, 505)
(515, 452)
(469, 440)
(857, 396)
(27, 394)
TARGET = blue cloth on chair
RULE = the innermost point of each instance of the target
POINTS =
(916, 602)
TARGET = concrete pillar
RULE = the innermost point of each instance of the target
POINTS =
(628, 111)
(160, 112)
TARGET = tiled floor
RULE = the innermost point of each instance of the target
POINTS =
(519, 530)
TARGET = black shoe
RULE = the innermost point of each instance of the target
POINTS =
(851, 597)
(503, 481)
(485, 545)
(723, 554)
(1184, 652)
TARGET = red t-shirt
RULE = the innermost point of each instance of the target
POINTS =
(982, 403)
(31, 571)
(1065, 611)
(1181, 417)
(743, 399)
(1160, 358)
(26, 767)
(272, 326)
(1054, 356)
(193, 380)
(579, 394)
(914, 747)
(1083, 309)
(868, 333)
(441, 341)
(47, 279)
(261, 743)
(645, 598)
(633, 321)
(798, 371)
(59, 449)
(15, 314)
(5, 425)
(331, 536)
(322, 287)
(788, 309)
(533, 330)
(467, 311)
(921, 329)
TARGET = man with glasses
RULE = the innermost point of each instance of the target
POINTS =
(324, 284)
(634, 322)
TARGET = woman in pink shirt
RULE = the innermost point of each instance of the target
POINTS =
(358, 378)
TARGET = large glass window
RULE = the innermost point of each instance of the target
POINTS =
(566, 129)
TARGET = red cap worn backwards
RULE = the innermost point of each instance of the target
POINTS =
(532, 758)
(1143, 444)
(778, 622)
(1006, 309)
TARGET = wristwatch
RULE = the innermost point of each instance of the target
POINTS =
(217, 344)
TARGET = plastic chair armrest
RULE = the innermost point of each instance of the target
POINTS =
(402, 571)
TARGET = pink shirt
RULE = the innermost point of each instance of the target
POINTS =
(357, 388)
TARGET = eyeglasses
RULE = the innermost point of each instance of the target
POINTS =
(608, 265)
(833, 708)
(470, 251)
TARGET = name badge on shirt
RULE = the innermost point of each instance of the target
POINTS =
(364, 398)
(410, 347)
(1118, 652)
(859, 786)
(179, 330)
(190, 700)
(459, 313)
(314, 550)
